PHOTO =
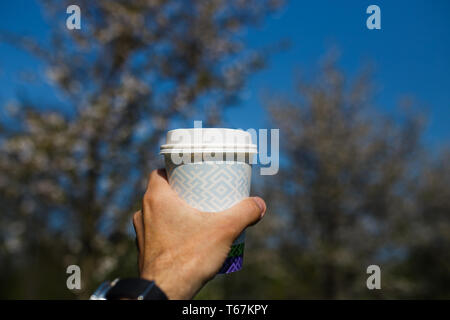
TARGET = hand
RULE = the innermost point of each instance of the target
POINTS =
(180, 247)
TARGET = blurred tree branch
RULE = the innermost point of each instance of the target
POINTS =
(355, 188)
(134, 69)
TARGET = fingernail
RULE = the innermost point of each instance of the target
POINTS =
(261, 204)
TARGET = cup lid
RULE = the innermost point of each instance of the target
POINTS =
(206, 140)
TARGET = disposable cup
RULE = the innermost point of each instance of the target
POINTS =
(210, 168)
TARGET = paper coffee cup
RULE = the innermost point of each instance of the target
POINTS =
(210, 168)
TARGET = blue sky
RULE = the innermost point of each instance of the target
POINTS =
(411, 54)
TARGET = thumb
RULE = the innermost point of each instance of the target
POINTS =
(246, 213)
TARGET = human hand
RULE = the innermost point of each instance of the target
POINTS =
(180, 247)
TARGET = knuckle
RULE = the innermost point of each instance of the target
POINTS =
(148, 195)
(153, 198)
(136, 217)
(149, 199)
(152, 193)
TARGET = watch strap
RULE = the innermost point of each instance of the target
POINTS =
(135, 288)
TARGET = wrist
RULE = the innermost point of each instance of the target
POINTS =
(176, 279)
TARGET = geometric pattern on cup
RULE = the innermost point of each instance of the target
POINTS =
(210, 186)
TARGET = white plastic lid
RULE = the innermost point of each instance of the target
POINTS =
(206, 140)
